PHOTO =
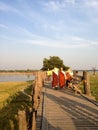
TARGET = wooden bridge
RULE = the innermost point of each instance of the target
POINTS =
(60, 109)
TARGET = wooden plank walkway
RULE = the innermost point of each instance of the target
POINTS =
(63, 110)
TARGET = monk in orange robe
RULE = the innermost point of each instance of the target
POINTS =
(55, 80)
(61, 78)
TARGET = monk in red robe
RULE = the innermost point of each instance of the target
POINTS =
(61, 78)
(55, 79)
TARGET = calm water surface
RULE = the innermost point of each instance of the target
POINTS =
(15, 77)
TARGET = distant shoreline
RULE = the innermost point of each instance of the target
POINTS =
(17, 72)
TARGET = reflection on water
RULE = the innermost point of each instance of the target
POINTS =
(16, 77)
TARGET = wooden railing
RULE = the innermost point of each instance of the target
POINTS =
(36, 94)
(77, 79)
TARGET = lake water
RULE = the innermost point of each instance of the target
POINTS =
(15, 77)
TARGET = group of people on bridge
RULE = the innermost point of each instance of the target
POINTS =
(59, 77)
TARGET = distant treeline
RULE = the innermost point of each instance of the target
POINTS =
(18, 70)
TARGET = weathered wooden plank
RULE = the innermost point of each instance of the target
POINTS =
(63, 110)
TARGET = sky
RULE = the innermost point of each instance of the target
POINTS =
(31, 30)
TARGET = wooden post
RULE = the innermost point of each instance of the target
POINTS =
(34, 121)
(86, 83)
(22, 120)
(75, 73)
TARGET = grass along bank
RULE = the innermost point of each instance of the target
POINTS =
(93, 85)
(7, 89)
(11, 101)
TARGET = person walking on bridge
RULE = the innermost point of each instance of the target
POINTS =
(62, 77)
(69, 76)
(55, 79)
(49, 73)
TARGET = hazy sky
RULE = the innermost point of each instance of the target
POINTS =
(31, 30)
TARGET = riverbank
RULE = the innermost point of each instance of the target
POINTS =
(8, 89)
(12, 99)
(17, 72)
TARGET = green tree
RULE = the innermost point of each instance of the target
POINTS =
(53, 61)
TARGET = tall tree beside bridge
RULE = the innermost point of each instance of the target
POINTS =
(53, 61)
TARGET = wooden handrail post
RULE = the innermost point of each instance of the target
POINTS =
(34, 121)
(75, 73)
(86, 83)
(22, 120)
